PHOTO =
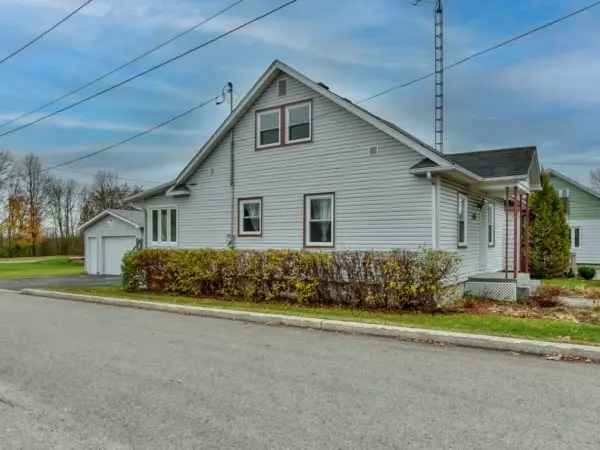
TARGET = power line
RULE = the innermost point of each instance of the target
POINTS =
(91, 174)
(44, 33)
(122, 66)
(458, 62)
(135, 136)
(151, 69)
(487, 50)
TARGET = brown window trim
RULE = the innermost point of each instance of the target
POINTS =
(240, 233)
(333, 222)
(282, 142)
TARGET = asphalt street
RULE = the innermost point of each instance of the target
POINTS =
(75, 375)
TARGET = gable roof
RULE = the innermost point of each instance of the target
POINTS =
(578, 185)
(274, 70)
(135, 218)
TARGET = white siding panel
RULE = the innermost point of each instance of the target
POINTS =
(589, 252)
(378, 204)
(471, 263)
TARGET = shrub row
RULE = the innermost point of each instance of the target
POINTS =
(368, 280)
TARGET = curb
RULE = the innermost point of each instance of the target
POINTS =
(540, 348)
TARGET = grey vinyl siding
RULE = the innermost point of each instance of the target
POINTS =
(378, 203)
(471, 261)
(203, 216)
(589, 250)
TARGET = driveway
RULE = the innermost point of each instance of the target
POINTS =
(17, 284)
(76, 375)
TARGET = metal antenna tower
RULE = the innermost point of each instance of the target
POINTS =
(438, 115)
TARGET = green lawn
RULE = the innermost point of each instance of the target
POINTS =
(549, 330)
(39, 267)
(572, 283)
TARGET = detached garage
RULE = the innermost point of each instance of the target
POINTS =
(108, 236)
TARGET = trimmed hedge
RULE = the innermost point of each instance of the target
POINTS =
(368, 280)
(586, 272)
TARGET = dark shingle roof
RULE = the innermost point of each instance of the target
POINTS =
(503, 162)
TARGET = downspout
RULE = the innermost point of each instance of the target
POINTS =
(231, 240)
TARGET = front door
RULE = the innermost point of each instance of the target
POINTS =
(483, 241)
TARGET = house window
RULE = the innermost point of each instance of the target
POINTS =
(268, 125)
(576, 237)
(491, 225)
(250, 217)
(463, 218)
(298, 123)
(319, 220)
(164, 226)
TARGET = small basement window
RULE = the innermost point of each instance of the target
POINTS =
(298, 123)
(268, 128)
(164, 226)
(463, 219)
(250, 217)
(319, 216)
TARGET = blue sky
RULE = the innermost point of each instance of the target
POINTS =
(543, 90)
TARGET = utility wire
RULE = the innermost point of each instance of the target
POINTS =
(44, 33)
(151, 69)
(460, 61)
(135, 136)
(92, 174)
(122, 66)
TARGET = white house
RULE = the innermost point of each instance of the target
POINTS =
(297, 166)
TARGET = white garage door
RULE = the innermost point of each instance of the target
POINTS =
(114, 248)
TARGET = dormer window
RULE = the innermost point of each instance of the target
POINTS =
(268, 128)
(298, 123)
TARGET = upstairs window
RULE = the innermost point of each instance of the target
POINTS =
(298, 123)
(164, 226)
(250, 217)
(463, 218)
(268, 128)
(319, 225)
(491, 225)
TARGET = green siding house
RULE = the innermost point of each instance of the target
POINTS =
(583, 214)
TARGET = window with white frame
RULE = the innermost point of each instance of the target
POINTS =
(298, 123)
(491, 224)
(319, 220)
(463, 219)
(576, 239)
(268, 128)
(163, 226)
(250, 217)
(564, 195)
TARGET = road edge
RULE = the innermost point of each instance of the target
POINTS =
(526, 346)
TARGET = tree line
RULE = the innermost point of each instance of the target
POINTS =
(40, 213)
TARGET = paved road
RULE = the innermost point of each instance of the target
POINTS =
(76, 375)
(17, 284)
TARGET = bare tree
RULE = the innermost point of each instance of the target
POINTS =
(106, 192)
(5, 168)
(34, 182)
(595, 179)
(62, 196)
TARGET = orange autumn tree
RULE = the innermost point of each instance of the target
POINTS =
(15, 224)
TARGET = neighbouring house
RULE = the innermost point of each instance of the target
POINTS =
(108, 236)
(582, 206)
(297, 166)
